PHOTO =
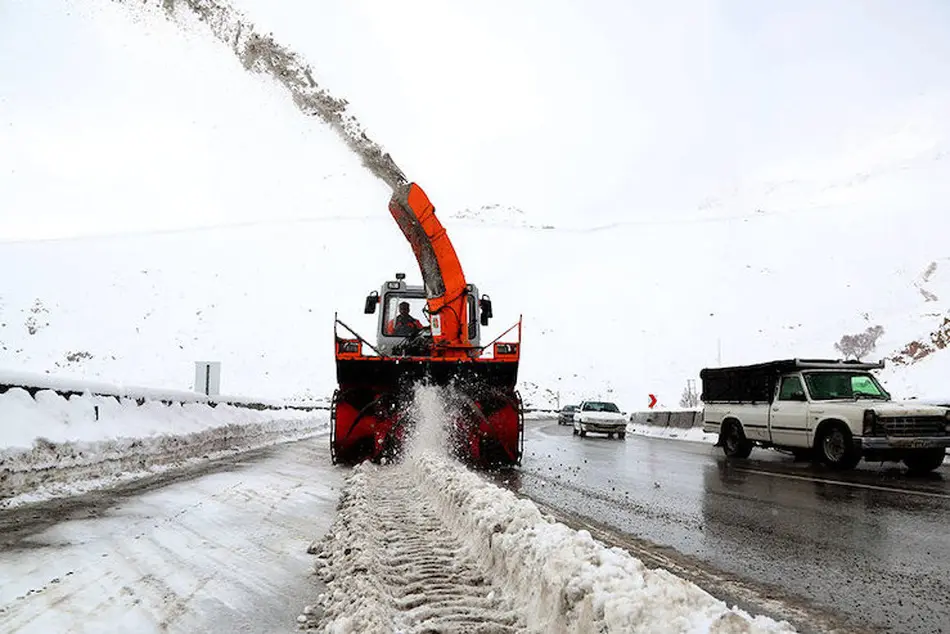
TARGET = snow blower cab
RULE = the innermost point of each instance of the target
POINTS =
(426, 334)
(405, 326)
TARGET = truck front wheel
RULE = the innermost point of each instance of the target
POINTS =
(836, 447)
(924, 460)
(734, 442)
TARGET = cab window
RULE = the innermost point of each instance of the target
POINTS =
(791, 389)
(391, 304)
(472, 319)
(826, 386)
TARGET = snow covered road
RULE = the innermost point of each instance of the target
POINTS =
(427, 545)
(395, 565)
(224, 551)
(424, 545)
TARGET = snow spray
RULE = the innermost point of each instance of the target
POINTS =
(431, 415)
(259, 53)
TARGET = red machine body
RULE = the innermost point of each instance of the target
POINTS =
(371, 410)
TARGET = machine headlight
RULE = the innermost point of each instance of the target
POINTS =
(870, 420)
(349, 346)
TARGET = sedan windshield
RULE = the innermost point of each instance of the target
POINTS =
(600, 407)
(826, 386)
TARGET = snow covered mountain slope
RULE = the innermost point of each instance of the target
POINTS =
(165, 133)
(261, 300)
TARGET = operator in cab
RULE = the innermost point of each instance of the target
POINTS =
(404, 324)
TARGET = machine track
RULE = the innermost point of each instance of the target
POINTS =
(392, 565)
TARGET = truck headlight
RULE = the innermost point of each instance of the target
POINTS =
(870, 420)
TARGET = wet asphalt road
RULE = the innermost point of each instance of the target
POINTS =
(871, 546)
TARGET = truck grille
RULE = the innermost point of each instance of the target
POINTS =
(914, 425)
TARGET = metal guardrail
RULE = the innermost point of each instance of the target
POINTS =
(33, 390)
(679, 419)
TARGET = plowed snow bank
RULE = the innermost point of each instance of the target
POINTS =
(567, 580)
(557, 578)
(51, 446)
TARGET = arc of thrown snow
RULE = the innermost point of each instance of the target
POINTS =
(262, 54)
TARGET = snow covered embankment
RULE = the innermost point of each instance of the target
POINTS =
(51, 446)
(428, 545)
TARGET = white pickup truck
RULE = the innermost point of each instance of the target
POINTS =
(832, 411)
(602, 417)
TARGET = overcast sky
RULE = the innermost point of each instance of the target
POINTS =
(578, 113)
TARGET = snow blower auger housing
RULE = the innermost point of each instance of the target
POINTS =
(428, 334)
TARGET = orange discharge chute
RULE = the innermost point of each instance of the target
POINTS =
(441, 270)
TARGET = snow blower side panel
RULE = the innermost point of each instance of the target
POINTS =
(489, 428)
(364, 425)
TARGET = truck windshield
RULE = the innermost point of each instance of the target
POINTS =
(600, 407)
(827, 386)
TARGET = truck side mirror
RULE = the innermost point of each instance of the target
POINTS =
(371, 300)
(484, 306)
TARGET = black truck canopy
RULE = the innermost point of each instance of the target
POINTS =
(756, 383)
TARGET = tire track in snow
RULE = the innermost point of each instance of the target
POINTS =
(391, 564)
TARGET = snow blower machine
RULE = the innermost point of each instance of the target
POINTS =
(429, 335)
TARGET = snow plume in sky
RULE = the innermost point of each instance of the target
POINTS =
(261, 54)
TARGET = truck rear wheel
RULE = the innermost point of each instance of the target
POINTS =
(924, 460)
(836, 447)
(734, 442)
